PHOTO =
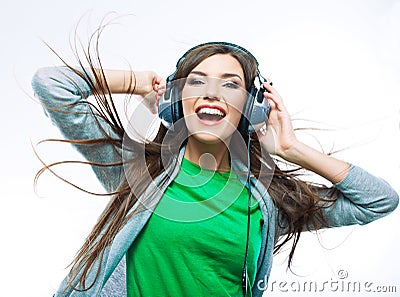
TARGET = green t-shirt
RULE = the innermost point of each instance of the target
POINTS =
(194, 242)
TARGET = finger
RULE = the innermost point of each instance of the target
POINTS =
(162, 82)
(160, 92)
(276, 99)
(271, 104)
(160, 87)
(157, 80)
(267, 85)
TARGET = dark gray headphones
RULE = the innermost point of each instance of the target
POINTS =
(255, 111)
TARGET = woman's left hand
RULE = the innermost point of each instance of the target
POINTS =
(279, 137)
(280, 140)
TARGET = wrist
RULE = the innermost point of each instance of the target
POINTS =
(309, 158)
(142, 82)
(293, 152)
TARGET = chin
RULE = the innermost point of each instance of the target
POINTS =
(210, 134)
(208, 138)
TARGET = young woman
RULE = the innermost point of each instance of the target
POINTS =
(200, 209)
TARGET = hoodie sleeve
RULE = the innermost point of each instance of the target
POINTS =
(362, 198)
(63, 94)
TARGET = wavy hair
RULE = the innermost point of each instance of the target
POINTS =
(298, 204)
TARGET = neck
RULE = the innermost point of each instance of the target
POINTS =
(210, 156)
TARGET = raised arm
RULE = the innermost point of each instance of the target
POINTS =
(63, 93)
(143, 83)
(362, 197)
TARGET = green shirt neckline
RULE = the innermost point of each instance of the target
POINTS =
(194, 169)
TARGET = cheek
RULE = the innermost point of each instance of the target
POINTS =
(236, 110)
(235, 116)
(187, 106)
(187, 101)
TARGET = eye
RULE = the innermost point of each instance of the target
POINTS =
(231, 85)
(195, 81)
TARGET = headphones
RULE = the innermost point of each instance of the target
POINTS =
(255, 110)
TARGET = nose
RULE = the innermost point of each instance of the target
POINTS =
(212, 90)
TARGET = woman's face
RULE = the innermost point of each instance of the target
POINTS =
(213, 98)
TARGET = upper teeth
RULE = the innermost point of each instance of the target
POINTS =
(211, 111)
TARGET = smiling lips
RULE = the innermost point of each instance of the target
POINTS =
(210, 114)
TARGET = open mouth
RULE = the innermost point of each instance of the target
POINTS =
(210, 113)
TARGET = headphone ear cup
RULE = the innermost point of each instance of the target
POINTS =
(260, 111)
(170, 108)
(165, 112)
(176, 102)
(244, 123)
(256, 111)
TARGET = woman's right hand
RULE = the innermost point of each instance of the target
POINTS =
(150, 86)
(147, 84)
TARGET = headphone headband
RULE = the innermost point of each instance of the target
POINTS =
(227, 44)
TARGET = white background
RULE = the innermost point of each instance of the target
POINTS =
(334, 62)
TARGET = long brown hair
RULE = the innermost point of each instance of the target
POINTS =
(298, 204)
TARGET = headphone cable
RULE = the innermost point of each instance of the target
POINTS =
(248, 184)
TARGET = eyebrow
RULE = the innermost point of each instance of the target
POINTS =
(225, 75)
